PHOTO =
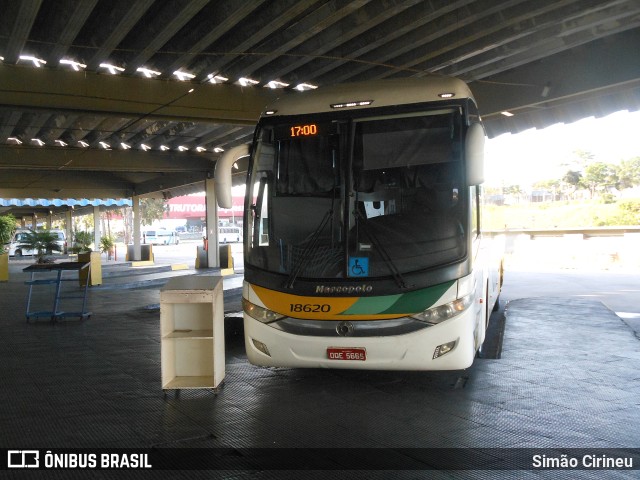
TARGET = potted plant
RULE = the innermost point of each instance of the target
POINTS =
(7, 227)
(42, 242)
(82, 242)
(106, 245)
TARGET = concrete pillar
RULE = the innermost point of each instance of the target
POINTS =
(34, 222)
(135, 200)
(213, 254)
(49, 221)
(68, 226)
(97, 235)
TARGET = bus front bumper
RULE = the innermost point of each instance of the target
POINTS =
(411, 351)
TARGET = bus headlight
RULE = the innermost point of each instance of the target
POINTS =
(444, 312)
(263, 315)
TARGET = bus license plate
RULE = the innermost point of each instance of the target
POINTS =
(341, 353)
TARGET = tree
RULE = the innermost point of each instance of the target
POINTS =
(572, 179)
(629, 173)
(106, 245)
(42, 241)
(599, 175)
(152, 209)
(583, 158)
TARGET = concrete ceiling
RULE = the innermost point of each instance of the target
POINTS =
(90, 123)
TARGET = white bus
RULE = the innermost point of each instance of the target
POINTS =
(229, 234)
(161, 236)
(363, 243)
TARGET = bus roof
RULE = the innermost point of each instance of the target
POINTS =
(378, 93)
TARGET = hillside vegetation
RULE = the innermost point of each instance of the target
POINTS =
(564, 214)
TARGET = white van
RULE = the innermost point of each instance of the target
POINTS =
(20, 236)
(161, 236)
(229, 234)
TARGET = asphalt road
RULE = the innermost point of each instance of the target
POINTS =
(617, 290)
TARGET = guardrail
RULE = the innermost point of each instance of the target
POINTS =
(587, 232)
(593, 247)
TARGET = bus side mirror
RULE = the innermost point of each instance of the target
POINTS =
(222, 174)
(474, 154)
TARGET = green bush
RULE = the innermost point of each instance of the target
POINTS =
(7, 227)
(82, 241)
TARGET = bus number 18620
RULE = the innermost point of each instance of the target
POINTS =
(309, 308)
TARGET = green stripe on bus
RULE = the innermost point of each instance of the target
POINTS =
(371, 305)
(419, 300)
(411, 302)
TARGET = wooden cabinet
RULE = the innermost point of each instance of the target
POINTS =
(192, 332)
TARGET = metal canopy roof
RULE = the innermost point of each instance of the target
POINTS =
(111, 114)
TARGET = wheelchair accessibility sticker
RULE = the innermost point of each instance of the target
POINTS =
(358, 267)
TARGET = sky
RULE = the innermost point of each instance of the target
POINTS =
(534, 155)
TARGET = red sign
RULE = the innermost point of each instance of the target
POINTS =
(194, 206)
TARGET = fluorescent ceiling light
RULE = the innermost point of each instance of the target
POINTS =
(147, 72)
(182, 148)
(75, 65)
(305, 86)
(105, 145)
(201, 149)
(125, 146)
(15, 139)
(37, 141)
(245, 82)
(113, 70)
(83, 144)
(276, 84)
(61, 143)
(182, 76)
(38, 62)
(355, 103)
(218, 150)
(145, 147)
(164, 148)
(216, 78)
(507, 114)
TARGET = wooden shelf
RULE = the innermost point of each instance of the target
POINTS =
(189, 334)
(192, 332)
(178, 383)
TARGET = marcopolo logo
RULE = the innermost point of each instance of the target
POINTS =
(348, 289)
(23, 459)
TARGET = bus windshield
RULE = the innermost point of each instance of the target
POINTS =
(371, 196)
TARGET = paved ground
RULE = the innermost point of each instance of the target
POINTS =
(567, 377)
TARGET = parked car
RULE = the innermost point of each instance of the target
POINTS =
(19, 237)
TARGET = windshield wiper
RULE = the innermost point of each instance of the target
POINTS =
(308, 250)
(312, 244)
(397, 276)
